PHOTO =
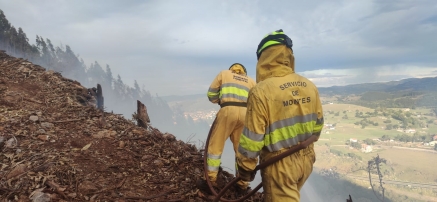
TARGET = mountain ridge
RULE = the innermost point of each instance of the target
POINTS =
(389, 86)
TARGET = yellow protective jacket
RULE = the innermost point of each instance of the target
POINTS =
(230, 87)
(283, 109)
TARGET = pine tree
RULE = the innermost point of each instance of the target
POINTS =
(13, 35)
(108, 76)
(5, 26)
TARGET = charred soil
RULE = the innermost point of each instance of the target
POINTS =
(55, 146)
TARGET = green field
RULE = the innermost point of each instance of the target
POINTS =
(345, 128)
(402, 164)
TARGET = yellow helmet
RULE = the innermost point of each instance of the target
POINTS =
(237, 67)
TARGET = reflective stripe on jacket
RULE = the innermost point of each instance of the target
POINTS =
(230, 87)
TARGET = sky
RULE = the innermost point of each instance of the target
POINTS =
(178, 47)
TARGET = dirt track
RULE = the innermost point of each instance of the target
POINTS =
(415, 149)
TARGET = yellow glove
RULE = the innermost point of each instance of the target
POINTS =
(245, 175)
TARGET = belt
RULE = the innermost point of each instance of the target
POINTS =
(237, 104)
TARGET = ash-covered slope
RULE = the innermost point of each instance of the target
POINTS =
(55, 146)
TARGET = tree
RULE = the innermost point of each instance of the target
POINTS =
(404, 138)
(355, 145)
(357, 113)
(96, 73)
(4, 30)
(388, 127)
(23, 42)
(43, 49)
(375, 164)
(51, 56)
(136, 86)
(427, 138)
(13, 36)
(137, 89)
(369, 141)
(385, 138)
(415, 137)
(387, 121)
(108, 75)
(336, 152)
(119, 79)
(404, 125)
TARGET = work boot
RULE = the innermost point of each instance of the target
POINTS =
(202, 185)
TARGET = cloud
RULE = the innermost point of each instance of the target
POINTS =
(326, 75)
(341, 77)
(161, 43)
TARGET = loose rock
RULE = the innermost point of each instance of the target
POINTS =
(47, 125)
(43, 137)
(33, 118)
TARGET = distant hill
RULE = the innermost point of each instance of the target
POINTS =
(408, 93)
(417, 84)
(423, 84)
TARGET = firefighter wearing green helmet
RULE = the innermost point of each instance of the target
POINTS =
(283, 110)
(229, 89)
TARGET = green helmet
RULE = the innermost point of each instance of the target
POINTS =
(275, 38)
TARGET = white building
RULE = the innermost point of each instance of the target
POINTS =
(366, 148)
(410, 131)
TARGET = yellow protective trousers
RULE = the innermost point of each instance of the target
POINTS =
(229, 123)
(283, 180)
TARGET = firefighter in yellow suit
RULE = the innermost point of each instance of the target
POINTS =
(283, 110)
(229, 89)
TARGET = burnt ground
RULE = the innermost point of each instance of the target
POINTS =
(56, 146)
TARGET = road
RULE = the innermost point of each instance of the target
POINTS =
(393, 147)
(410, 148)
(412, 184)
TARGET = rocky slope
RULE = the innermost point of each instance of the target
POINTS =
(56, 146)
